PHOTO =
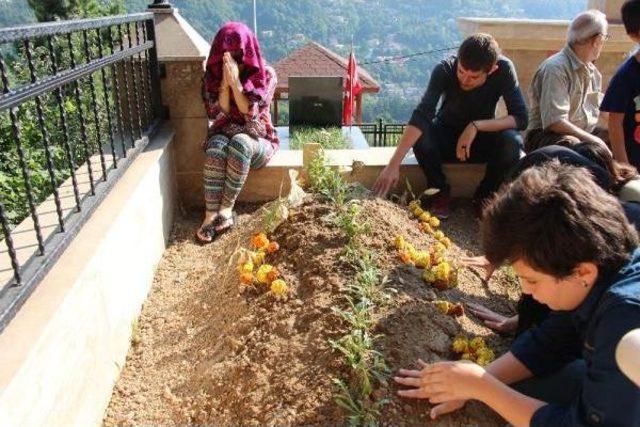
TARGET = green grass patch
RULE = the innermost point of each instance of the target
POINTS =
(328, 138)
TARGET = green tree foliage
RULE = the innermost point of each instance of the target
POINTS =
(53, 10)
(379, 28)
(15, 12)
(13, 191)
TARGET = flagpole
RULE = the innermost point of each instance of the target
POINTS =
(255, 19)
(351, 89)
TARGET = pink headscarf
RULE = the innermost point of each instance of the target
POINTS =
(234, 36)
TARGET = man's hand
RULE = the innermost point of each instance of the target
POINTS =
(493, 320)
(600, 141)
(463, 149)
(387, 179)
(442, 382)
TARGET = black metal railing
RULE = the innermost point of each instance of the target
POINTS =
(79, 101)
(380, 134)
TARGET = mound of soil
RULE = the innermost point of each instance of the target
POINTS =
(208, 350)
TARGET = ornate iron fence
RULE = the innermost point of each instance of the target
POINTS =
(79, 101)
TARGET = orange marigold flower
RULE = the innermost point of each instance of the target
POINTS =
(262, 273)
(260, 241)
(273, 274)
(273, 247)
(456, 310)
(405, 256)
(246, 278)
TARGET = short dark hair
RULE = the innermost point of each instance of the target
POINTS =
(554, 217)
(479, 52)
(631, 16)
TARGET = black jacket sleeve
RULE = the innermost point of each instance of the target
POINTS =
(425, 112)
(513, 97)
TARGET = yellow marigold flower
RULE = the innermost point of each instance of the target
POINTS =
(440, 248)
(411, 249)
(260, 241)
(247, 267)
(446, 242)
(422, 259)
(434, 221)
(263, 273)
(414, 204)
(436, 257)
(442, 271)
(258, 257)
(425, 217)
(428, 276)
(477, 343)
(443, 306)
(483, 362)
(418, 211)
(438, 235)
(279, 287)
(485, 353)
(460, 345)
(467, 356)
(399, 242)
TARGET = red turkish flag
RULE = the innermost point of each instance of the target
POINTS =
(352, 88)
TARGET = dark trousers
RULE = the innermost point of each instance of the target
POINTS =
(499, 150)
(559, 388)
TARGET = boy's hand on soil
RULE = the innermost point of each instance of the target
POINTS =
(481, 262)
(446, 408)
(441, 382)
(493, 320)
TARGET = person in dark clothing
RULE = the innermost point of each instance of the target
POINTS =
(622, 100)
(455, 121)
(572, 249)
(606, 172)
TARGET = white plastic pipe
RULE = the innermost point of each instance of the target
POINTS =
(628, 355)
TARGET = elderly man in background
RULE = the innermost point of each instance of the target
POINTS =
(566, 89)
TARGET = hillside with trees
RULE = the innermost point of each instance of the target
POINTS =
(380, 29)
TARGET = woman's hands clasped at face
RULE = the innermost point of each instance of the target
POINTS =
(230, 70)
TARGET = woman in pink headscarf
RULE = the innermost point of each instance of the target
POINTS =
(237, 91)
